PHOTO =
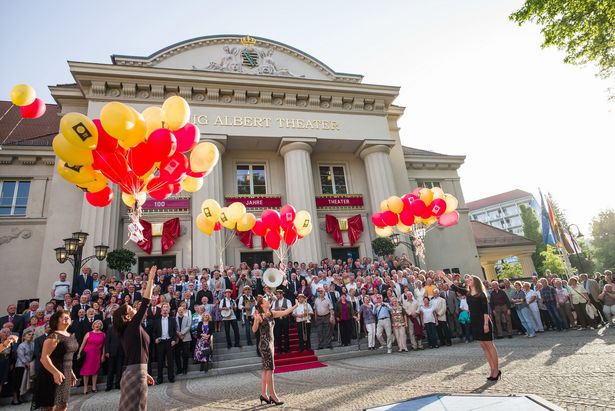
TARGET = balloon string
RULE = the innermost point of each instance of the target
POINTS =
(11, 132)
(227, 241)
(7, 111)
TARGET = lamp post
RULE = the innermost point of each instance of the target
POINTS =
(73, 253)
(574, 244)
(397, 241)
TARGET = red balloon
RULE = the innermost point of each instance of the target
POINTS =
(290, 236)
(437, 207)
(287, 216)
(417, 192)
(271, 220)
(377, 220)
(407, 199)
(131, 184)
(390, 218)
(417, 207)
(273, 239)
(34, 110)
(448, 219)
(174, 168)
(100, 198)
(187, 137)
(406, 217)
(426, 213)
(161, 144)
(177, 187)
(105, 141)
(217, 226)
(259, 228)
(112, 164)
(139, 160)
(159, 189)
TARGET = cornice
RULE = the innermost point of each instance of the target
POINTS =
(418, 162)
(26, 156)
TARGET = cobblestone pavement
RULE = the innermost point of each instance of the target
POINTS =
(574, 369)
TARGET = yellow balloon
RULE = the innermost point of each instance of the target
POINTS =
(175, 112)
(426, 195)
(403, 228)
(129, 200)
(79, 130)
(192, 184)
(204, 224)
(304, 231)
(204, 157)
(153, 118)
(69, 153)
(225, 219)
(76, 174)
(138, 133)
(246, 223)
(302, 220)
(451, 202)
(117, 119)
(211, 210)
(437, 192)
(236, 210)
(418, 220)
(395, 204)
(384, 231)
(384, 205)
(430, 220)
(100, 181)
(23, 95)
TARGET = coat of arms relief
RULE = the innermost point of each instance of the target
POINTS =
(248, 59)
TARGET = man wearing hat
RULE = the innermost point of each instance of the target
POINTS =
(229, 319)
(246, 305)
(303, 314)
(281, 324)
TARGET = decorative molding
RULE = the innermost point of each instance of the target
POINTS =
(15, 233)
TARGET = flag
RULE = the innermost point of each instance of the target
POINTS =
(547, 231)
(563, 239)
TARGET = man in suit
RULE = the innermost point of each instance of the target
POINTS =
(165, 338)
(30, 312)
(204, 292)
(14, 318)
(281, 324)
(170, 294)
(258, 281)
(593, 291)
(83, 305)
(84, 282)
(163, 280)
(293, 287)
(38, 348)
(133, 293)
(182, 350)
(114, 353)
(190, 300)
(452, 310)
(152, 314)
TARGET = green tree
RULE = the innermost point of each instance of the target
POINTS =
(383, 246)
(121, 259)
(603, 233)
(583, 29)
(559, 213)
(584, 261)
(510, 271)
(553, 260)
(531, 230)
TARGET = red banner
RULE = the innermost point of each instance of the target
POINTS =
(256, 202)
(339, 201)
(355, 228)
(168, 204)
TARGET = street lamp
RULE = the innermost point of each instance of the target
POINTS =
(396, 240)
(574, 244)
(72, 252)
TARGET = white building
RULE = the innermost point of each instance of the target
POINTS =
(503, 210)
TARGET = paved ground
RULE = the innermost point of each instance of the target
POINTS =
(574, 369)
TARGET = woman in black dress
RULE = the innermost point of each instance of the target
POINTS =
(263, 322)
(135, 341)
(480, 322)
(56, 377)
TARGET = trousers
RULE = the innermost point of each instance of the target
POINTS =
(323, 329)
(500, 311)
(384, 327)
(371, 335)
(400, 336)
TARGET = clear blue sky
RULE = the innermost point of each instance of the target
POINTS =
(472, 82)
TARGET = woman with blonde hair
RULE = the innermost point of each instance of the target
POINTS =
(94, 346)
(203, 348)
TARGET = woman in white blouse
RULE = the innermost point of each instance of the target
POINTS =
(531, 298)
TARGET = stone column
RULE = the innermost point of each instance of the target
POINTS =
(300, 193)
(379, 173)
(204, 248)
(489, 268)
(527, 264)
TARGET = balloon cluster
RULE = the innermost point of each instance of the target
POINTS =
(287, 224)
(423, 207)
(24, 97)
(143, 153)
(234, 217)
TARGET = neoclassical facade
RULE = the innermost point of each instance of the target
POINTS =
(289, 129)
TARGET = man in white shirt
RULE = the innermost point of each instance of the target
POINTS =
(439, 304)
(411, 309)
(229, 319)
(165, 336)
(59, 288)
(182, 351)
(281, 324)
(246, 305)
(303, 314)
(324, 318)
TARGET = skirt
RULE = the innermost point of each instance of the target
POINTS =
(133, 386)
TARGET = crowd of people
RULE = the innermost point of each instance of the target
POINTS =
(382, 301)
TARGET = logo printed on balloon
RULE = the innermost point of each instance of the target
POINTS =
(82, 131)
(171, 166)
(207, 212)
(436, 209)
(76, 168)
(223, 217)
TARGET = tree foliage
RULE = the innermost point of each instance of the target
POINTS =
(603, 233)
(559, 212)
(510, 271)
(584, 261)
(531, 230)
(553, 260)
(583, 29)
(383, 246)
(121, 259)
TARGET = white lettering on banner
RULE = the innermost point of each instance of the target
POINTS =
(267, 122)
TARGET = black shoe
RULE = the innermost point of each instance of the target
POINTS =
(264, 400)
(180, 371)
(499, 337)
(171, 379)
(158, 382)
(108, 389)
(330, 346)
(272, 401)
(510, 336)
(496, 377)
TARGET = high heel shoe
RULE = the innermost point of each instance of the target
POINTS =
(272, 401)
(497, 377)
(264, 400)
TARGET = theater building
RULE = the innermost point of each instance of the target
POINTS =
(289, 129)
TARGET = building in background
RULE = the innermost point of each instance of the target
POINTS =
(503, 210)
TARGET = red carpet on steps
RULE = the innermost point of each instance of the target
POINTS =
(295, 360)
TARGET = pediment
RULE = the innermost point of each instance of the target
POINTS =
(239, 55)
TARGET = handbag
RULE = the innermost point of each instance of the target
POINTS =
(591, 311)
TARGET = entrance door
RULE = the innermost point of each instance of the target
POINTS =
(256, 257)
(157, 260)
(345, 253)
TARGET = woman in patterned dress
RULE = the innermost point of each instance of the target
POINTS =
(56, 376)
(203, 349)
(264, 322)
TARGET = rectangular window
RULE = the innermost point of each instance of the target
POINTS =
(13, 197)
(428, 184)
(251, 179)
(333, 180)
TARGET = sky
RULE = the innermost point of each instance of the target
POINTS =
(473, 82)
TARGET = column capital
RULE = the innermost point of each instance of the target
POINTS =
(290, 144)
(374, 146)
(217, 139)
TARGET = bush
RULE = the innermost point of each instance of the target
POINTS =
(121, 259)
(383, 246)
